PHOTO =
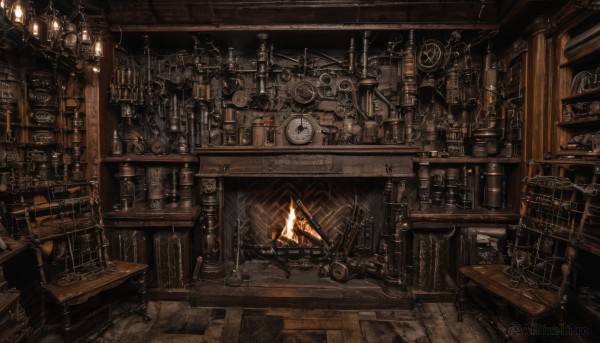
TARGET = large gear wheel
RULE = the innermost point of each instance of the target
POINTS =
(430, 56)
(304, 92)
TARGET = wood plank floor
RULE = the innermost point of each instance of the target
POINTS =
(177, 321)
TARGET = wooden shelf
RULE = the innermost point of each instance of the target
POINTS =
(587, 95)
(589, 120)
(147, 158)
(152, 219)
(452, 216)
(54, 187)
(315, 149)
(570, 162)
(578, 153)
(14, 125)
(582, 52)
(466, 160)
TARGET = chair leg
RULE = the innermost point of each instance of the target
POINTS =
(143, 310)
(460, 301)
(66, 325)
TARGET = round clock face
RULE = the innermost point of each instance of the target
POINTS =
(299, 131)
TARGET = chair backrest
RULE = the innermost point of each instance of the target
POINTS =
(544, 249)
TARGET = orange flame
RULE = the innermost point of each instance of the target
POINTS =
(291, 225)
(288, 230)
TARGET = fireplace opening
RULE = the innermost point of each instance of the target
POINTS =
(334, 228)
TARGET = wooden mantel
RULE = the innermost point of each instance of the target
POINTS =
(313, 161)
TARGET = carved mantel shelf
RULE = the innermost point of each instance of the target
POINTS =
(313, 161)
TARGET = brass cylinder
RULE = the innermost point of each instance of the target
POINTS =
(126, 170)
(186, 177)
(156, 187)
(424, 184)
(479, 148)
(493, 185)
(229, 114)
(258, 133)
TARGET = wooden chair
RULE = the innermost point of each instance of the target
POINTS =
(536, 280)
(67, 235)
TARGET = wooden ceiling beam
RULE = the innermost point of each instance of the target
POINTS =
(150, 28)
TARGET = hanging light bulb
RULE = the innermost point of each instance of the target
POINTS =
(84, 34)
(53, 22)
(98, 48)
(18, 12)
(37, 28)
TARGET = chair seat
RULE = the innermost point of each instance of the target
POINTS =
(495, 279)
(81, 291)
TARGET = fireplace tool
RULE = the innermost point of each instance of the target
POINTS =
(235, 279)
(314, 223)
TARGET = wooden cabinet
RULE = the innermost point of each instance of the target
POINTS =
(577, 90)
(153, 197)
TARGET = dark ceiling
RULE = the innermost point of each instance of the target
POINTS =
(241, 15)
(165, 18)
(234, 14)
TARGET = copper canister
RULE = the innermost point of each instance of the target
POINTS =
(258, 132)
(186, 182)
(156, 187)
(424, 184)
(493, 185)
(126, 170)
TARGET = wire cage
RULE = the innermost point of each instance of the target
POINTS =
(553, 209)
(590, 228)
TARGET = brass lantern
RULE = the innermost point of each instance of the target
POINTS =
(18, 12)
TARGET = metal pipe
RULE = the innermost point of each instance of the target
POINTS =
(351, 56)
(365, 56)
(261, 64)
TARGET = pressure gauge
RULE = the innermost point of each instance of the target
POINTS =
(299, 131)
(340, 272)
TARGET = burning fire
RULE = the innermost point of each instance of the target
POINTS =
(288, 230)
(293, 226)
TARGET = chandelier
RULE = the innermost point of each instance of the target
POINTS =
(53, 33)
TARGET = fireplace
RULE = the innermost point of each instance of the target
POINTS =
(332, 215)
(296, 223)
(264, 206)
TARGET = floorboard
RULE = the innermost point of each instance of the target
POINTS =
(173, 321)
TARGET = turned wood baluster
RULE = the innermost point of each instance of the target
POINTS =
(143, 311)
(460, 301)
